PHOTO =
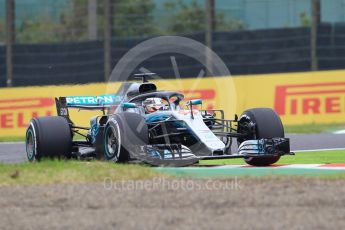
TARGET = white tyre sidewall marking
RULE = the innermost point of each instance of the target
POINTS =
(117, 127)
(34, 139)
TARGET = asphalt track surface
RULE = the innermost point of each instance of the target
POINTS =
(15, 152)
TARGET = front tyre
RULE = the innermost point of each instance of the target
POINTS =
(113, 150)
(123, 134)
(260, 123)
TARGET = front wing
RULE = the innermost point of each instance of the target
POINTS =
(180, 155)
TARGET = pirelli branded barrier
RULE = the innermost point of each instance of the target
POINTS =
(19, 105)
(311, 97)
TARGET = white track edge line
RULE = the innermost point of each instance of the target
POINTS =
(12, 142)
(317, 150)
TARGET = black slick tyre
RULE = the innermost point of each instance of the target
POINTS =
(48, 137)
(267, 124)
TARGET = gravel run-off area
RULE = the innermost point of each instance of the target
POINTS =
(236, 203)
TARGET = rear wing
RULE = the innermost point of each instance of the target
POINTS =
(104, 102)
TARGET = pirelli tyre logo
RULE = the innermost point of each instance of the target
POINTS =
(310, 99)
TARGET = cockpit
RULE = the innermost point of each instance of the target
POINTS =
(158, 101)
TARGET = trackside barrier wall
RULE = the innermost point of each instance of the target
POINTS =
(309, 97)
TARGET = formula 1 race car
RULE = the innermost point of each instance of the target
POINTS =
(141, 124)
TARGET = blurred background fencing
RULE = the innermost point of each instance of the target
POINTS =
(80, 41)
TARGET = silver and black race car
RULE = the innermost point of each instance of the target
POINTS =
(142, 124)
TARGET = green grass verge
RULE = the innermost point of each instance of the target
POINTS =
(54, 171)
(313, 128)
(263, 172)
(322, 157)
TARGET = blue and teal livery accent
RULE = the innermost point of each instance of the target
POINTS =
(94, 129)
(156, 117)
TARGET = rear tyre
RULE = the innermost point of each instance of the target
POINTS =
(48, 137)
(123, 134)
(266, 124)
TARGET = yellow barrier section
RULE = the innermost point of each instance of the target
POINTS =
(299, 98)
(310, 97)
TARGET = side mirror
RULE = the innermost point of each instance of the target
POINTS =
(191, 103)
(195, 102)
(129, 105)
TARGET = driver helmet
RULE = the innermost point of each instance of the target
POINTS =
(152, 105)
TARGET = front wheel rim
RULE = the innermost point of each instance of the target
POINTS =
(111, 143)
